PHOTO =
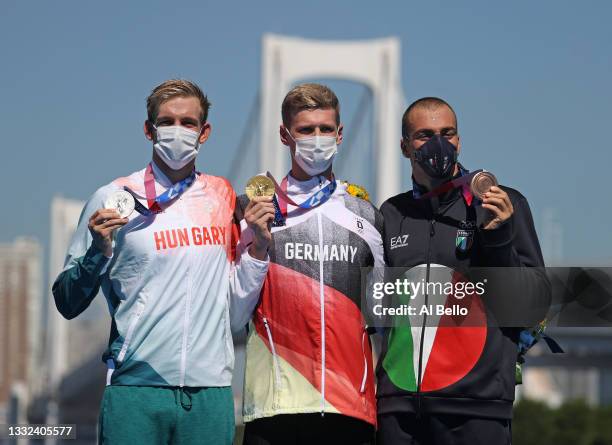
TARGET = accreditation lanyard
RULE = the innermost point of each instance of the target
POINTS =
(315, 200)
(155, 202)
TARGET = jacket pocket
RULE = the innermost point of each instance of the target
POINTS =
(275, 363)
(137, 313)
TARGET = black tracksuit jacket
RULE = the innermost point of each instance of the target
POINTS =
(466, 370)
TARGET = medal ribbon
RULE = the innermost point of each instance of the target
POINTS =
(313, 201)
(155, 202)
(463, 181)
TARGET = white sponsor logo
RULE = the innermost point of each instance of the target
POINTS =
(398, 241)
(310, 252)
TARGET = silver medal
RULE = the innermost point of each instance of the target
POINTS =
(121, 201)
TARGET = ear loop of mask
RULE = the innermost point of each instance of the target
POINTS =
(289, 134)
(295, 141)
(154, 127)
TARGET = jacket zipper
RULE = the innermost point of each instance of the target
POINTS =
(322, 302)
(186, 317)
(276, 365)
(432, 232)
(365, 362)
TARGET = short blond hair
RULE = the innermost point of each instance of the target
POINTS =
(308, 96)
(175, 88)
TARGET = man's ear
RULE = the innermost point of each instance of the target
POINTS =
(204, 132)
(405, 148)
(458, 144)
(148, 130)
(285, 140)
(340, 134)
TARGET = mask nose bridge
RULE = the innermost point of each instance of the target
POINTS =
(177, 131)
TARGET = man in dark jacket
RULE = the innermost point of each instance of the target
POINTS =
(439, 383)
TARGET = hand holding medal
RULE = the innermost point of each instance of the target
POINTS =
(259, 213)
(101, 225)
(485, 187)
(499, 205)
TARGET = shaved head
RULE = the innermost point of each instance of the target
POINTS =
(425, 103)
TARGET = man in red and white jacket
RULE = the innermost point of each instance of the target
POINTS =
(309, 370)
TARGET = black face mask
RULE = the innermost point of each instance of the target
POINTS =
(437, 157)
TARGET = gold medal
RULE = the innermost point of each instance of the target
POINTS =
(259, 185)
(482, 183)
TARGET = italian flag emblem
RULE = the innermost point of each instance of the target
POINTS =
(443, 347)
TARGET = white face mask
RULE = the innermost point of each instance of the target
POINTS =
(315, 154)
(176, 145)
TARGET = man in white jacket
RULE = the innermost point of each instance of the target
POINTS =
(176, 278)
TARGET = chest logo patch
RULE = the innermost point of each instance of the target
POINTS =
(359, 224)
(465, 236)
(398, 241)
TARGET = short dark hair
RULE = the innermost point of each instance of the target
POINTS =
(429, 103)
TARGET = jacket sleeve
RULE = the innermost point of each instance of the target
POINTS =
(376, 275)
(247, 274)
(522, 286)
(78, 284)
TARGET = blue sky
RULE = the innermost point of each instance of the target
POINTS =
(530, 81)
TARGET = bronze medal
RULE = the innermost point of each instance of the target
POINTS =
(481, 183)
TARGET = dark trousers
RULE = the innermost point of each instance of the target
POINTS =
(406, 429)
(308, 429)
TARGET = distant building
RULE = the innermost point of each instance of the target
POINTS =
(551, 237)
(70, 343)
(73, 365)
(20, 326)
(583, 372)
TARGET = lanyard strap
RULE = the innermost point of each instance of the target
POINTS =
(149, 181)
(155, 202)
(315, 200)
